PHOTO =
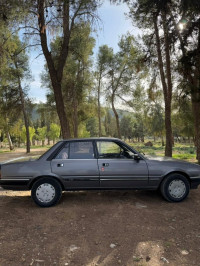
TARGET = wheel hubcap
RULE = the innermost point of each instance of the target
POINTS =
(45, 193)
(177, 188)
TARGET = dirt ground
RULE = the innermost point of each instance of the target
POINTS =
(99, 228)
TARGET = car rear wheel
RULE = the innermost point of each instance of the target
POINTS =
(175, 188)
(46, 192)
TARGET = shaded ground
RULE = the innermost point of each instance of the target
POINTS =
(106, 228)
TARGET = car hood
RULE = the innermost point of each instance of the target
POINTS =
(161, 158)
(168, 159)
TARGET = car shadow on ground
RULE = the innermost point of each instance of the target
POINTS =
(91, 197)
(85, 197)
(111, 196)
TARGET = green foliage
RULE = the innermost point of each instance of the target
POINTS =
(127, 127)
(54, 132)
(83, 133)
(41, 133)
(31, 133)
(155, 120)
(92, 126)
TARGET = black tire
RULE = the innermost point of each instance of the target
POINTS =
(175, 187)
(46, 192)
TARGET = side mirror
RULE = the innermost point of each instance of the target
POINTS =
(136, 157)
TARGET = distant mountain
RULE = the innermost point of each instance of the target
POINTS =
(35, 115)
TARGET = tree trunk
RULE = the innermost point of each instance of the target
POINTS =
(9, 141)
(116, 116)
(75, 102)
(196, 114)
(192, 77)
(167, 88)
(169, 138)
(99, 105)
(21, 93)
(75, 115)
(56, 74)
(163, 143)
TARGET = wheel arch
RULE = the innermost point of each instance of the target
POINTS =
(49, 176)
(175, 172)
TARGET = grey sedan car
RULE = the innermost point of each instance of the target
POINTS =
(98, 163)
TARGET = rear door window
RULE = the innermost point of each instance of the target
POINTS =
(81, 150)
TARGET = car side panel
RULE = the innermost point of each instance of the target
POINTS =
(123, 173)
(77, 173)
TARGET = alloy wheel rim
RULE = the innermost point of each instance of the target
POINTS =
(45, 193)
(177, 189)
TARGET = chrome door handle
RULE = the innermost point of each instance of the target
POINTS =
(105, 164)
(60, 164)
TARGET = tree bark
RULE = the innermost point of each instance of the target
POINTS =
(193, 79)
(116, 116)
(21, 93)
(99, 104)
(75, 115)
(56, 74)
(9, 141)
(167, 88)
(196, 114)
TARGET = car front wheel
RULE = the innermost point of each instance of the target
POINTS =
(46, 192)
(175, 188)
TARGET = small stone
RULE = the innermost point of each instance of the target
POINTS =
(83, 216)
(164, 260)
(172, 227)
(119, 261)
(140, 205)
(147, 258)
(112, 245)
(72, 248)
(184, 252)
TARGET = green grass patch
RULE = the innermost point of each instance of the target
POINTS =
(184, 156)
(3, 151)
(36, 147)
(180, 151)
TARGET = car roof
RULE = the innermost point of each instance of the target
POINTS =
(93, 138)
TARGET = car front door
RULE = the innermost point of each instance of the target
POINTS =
(76, 164)
(118, 168)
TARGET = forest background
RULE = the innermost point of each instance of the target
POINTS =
(148, 92)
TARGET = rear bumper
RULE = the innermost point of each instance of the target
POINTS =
(11, 184)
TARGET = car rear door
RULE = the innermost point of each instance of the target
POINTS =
(118, 169)
(76, 164)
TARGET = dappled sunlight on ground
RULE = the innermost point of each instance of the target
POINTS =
(10, 193)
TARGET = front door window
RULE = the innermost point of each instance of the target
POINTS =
(111, 150)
